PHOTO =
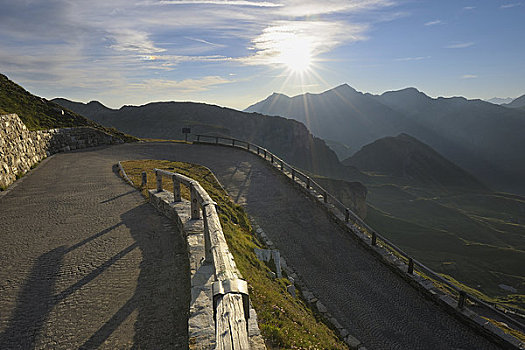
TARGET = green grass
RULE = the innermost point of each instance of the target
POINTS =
(475, 238)
(285, 322)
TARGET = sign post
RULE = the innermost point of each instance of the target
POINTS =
(186, 131)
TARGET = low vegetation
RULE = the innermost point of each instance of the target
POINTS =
(285, 322)
(37, 113)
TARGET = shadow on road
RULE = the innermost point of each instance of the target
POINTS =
(34, 302)
(161, 298)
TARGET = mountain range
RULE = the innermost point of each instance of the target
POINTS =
(483, 138)
(426, 204)
(164, 120)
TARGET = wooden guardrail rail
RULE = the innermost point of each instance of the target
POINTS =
(230, 292)
(351, 219)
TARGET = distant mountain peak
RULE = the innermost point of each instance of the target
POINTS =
(343, 87)
(406, 157)
(517, 103)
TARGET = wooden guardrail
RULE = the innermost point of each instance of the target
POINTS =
(350, 219)
(230, 292)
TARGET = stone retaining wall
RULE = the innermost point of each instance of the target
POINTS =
(21, 149)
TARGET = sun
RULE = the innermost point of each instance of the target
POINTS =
(296, 54)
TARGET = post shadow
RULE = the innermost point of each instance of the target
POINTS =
(162, 295)
(34, 302)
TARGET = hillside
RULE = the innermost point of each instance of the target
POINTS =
(517, 103)
(407, 159)
(37, 113)
(482, 138)
(287, 138)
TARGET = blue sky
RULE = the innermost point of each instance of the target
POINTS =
(236, 52)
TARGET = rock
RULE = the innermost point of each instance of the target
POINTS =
(291, 289)
(352, 342)
(322, 309)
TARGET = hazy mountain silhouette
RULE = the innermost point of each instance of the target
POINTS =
(483, 138)
(407, 158)
(500, 100)
(164, 120)
(517, 103)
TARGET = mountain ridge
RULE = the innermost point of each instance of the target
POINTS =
(164, 120)
(405, 157)
(483, 138)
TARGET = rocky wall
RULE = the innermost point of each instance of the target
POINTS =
(21, 149)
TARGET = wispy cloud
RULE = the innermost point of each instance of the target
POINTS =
(315, 37)
(205, 42)
(315, 7)
(460, 45)
(469, 76)
(184, 86)
(219, 2)
(510, 5)
(433, 23)
(134, 41)
(469, 8)
(417, 58)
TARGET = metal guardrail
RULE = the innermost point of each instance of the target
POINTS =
(230, 292)
(350, 218)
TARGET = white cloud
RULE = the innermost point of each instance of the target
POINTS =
(313, 7)
(134, 41)
(315, 37)
(219, 2)
(460, 45)
(511, 5)
(184, 86)
(469, 76)
(417, 58)
(433, 23)
(469, 8)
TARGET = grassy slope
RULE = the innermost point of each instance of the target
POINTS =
(477, 239)
(39, 114)
(285, 322)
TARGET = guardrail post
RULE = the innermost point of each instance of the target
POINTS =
(410, 269)
(144, 182)
(271, 157)
(282, 165)
(347, 215)
(293, 174)
(198, 138)
(233, 142)
(462, 299)
(176, 189)
(216, 140)
(265, 153)
(325, 197)
(248, 146)
(159, 181)
(207, 212)
(308, 183)
(194, 202)
(374, 238)
(258, 150)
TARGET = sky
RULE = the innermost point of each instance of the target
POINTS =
(234, 53)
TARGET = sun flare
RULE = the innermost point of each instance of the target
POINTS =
(296, 54)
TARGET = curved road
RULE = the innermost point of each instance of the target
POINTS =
(76, 222)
